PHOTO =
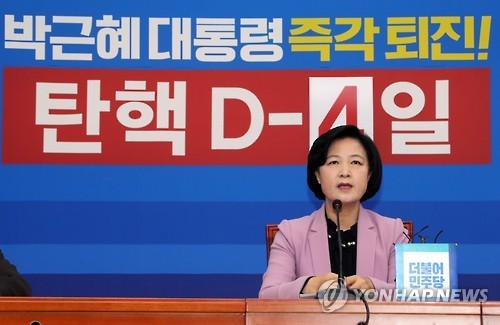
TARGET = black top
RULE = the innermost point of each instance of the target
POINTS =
(349, 243)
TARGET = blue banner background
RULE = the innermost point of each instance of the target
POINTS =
(171, 231)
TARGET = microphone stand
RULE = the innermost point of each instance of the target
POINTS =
(342, 292)
(418, 232)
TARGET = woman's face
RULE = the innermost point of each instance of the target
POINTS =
(345, 174)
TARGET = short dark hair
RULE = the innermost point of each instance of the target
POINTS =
(319, 150)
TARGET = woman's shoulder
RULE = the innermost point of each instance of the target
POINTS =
(301, 224)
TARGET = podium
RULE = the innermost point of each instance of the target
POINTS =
(491, 312)
(119, 311)
(264, 311)
(135, 311)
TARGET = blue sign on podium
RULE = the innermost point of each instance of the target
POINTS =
(426, 271)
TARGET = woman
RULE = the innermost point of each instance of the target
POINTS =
(343, 164)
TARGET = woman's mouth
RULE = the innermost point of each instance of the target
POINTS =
(344, 186)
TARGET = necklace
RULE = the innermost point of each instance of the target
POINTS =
(347, 233)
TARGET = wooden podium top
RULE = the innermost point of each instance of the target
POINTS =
(491, 312)
(119, 311)
(131, 311)
(35, 304)
(266, 311)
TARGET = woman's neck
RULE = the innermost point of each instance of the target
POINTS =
(348, 214)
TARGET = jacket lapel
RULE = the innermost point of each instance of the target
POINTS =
(318, 242)
(367, 240)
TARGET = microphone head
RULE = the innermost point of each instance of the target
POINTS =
(337, 204)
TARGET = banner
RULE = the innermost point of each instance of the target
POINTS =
(102, 116)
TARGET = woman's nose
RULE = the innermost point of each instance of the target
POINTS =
(345, 171)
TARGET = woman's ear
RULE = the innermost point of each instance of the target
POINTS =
(316, 173)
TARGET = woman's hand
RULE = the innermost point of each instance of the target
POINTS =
(315, 282)
(359, 282)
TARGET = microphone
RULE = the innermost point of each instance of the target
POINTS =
(418, 232)
(337, 205)
(436, 238)
(342, 292)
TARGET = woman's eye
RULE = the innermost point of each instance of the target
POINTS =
(333, 162)
(357, 162)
